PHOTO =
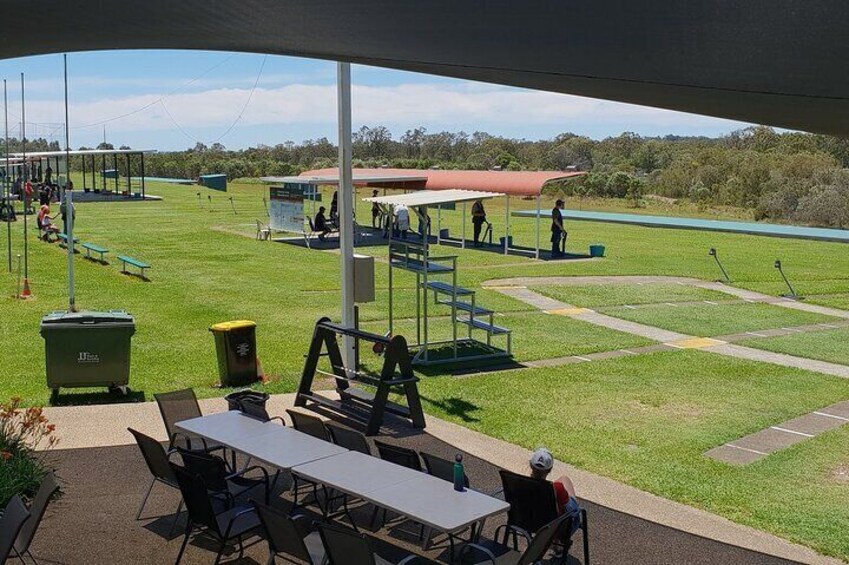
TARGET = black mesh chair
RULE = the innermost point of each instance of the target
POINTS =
(533, 504)
(14, 517)
(348, 438)
(344, 546)
(159, 465)
(258, 411)
(289, 537)
(46, 490)
(178, 406)
(441, 468)
(310, 425)
(499, 554)
(399, 455)
(234, 523)
(222, 481)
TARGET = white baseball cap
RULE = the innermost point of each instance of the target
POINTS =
(542, 460)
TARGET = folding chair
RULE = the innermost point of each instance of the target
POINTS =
(289, 537)
(344, 546)
(159, 465)
(500, 554)
(347, 438)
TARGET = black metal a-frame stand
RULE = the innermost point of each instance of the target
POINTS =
(395, 376)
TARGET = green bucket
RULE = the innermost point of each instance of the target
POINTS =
(597, 250)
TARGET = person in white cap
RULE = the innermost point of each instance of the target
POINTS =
(541, 463)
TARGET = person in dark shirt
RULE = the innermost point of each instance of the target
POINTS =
(478, 220)
(320, 224)
(375, 211)
(558, 233)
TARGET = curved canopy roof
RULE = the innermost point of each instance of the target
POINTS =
(776, 62)
(514, 183)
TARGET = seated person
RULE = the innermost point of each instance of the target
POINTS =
(45, 224)
(321, 225)
(541, 463)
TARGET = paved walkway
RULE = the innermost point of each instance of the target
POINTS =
(744, 450)
(654, 536)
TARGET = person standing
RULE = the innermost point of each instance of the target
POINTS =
(63, 210)
(558, 233)
(375, 211)
(478, 220)
(48, 176)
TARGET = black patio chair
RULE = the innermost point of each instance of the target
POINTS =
(441, 468)
(233, 523)
(344, 546)
(310, 425)
(533, 504)
(11, 522)
(159, 465)
(46, 490)
(500, 554)
(223, 482)
(257, 411)
(289, 537)
(348, 438)
(175, 407)
(399, 455)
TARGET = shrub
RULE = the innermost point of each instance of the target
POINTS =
(22, 432)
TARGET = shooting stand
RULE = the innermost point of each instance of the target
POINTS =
(396, 376)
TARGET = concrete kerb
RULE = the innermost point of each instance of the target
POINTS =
(105, 425)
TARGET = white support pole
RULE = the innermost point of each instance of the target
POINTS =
(69, 207)
(539, 210)
(463, 239)
(507, 226)
(346, 204)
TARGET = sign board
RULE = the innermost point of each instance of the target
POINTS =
(287, 206)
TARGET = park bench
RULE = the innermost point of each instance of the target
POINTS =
(63, 240)
(92, 248)
(135, 263)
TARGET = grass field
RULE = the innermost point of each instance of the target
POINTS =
(644, 420)
(648, 420)
(828, 345)
(706, 320)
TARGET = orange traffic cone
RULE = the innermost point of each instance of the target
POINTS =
(26, 292)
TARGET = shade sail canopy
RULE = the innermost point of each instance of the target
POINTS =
(514, 183)
(72, 153)
(431, 198)
(776, 62)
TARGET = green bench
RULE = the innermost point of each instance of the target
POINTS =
(92, 248)
(63, 239)
(135, 263)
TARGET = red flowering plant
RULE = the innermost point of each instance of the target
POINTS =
(25, 438)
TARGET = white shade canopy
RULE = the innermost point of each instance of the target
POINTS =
(431, 198)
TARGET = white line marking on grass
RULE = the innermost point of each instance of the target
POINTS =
(629, 307)
(803, 434)
(746, 449)
(832, 326)
(670, 304)
(582, 358)
(711, 302)
(831, 416)
(756, 334)
(628, 351)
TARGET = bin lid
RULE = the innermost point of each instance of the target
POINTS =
(234, 325)
(88, 317)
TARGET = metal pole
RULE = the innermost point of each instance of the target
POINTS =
(115, 166)
(69, 207)
(141, 158)
(539, 211)
(129, 181)
(26, 174)
(463, 239)
(8, 186)
(346, 203)
(507, 226)
(85, 173)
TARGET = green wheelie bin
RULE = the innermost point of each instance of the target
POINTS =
(88, 349)
(235, 347)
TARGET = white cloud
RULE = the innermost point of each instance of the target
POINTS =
(400, 106)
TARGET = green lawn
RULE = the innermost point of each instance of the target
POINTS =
(648, 420)
(643, 420)
(827, 345)
(708, 320)
(599, 295)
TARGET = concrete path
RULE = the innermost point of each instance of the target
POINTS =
(103, 426)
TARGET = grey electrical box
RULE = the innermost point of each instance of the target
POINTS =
(363, 278)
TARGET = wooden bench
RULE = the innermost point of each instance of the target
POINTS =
(92, 248)
(135, 263)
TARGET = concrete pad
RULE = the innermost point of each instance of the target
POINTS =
(840, 409)
(813, 424)
(753, 354)
(734, 455)
(535, 299)
(695, 343)
(769, 440)
(569, 311)
(618, 324)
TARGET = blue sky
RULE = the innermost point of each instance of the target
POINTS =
(171, 99)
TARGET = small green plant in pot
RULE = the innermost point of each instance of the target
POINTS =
(25, 439)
